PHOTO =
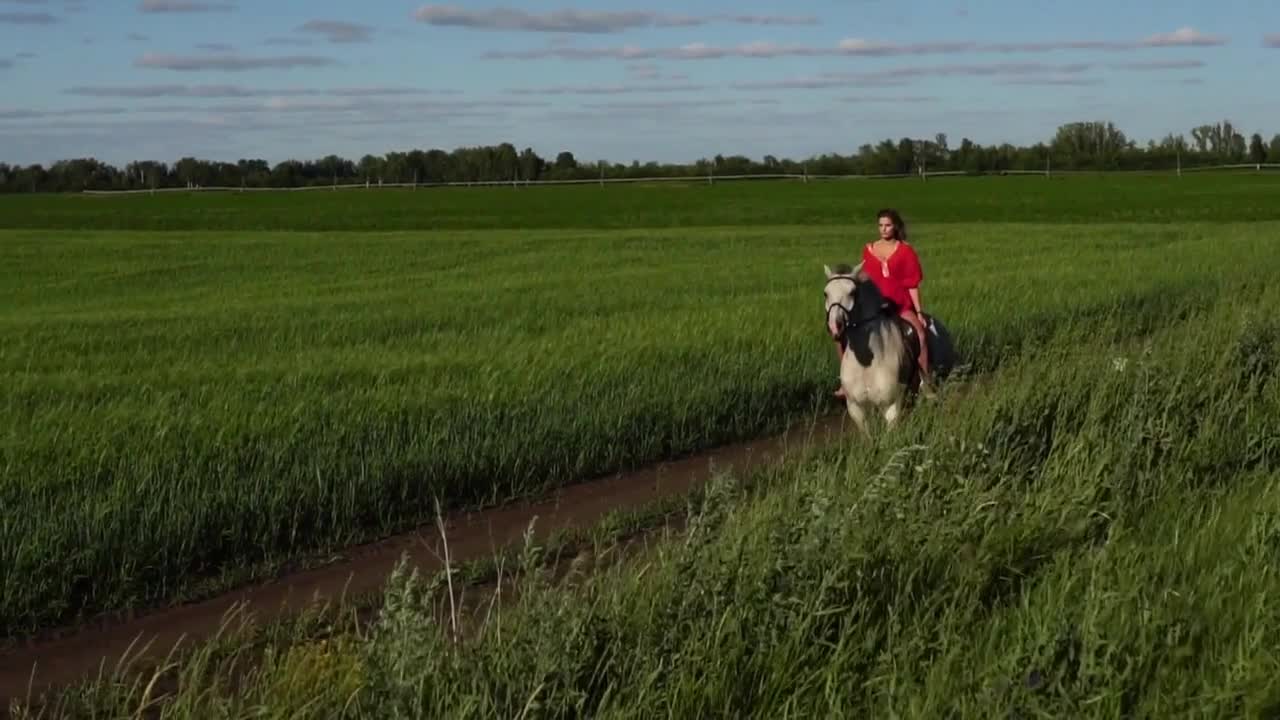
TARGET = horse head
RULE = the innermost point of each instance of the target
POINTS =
(843, 296)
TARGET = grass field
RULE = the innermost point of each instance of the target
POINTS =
(1089, 533)
(190, 398)
(1075, 199)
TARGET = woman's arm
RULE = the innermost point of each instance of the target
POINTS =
(911, 275)
(915, 299)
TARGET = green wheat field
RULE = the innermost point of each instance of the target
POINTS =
(198, 389)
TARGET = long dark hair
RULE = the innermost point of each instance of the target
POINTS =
(899, 225)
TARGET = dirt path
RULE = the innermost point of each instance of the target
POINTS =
(78, 653)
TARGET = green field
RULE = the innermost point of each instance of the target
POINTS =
(198, 388)
(1090, 532)
(1075, 199)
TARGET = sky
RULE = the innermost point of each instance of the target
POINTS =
(617, 80)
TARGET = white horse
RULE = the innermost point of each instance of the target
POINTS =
(879, 366)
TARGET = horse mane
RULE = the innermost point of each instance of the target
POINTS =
(869, 301)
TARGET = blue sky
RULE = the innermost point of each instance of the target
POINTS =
(620, 80)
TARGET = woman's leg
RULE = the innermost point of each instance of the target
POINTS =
(918, 323)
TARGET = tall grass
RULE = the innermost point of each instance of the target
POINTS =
(1086, 533)
(1087, 199)
(177, 414)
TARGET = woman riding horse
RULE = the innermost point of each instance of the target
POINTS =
(893, 266)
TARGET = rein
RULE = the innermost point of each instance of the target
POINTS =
(851, 322)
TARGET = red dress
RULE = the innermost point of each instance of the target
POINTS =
(896, 276)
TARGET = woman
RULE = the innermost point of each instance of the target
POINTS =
(894, 268)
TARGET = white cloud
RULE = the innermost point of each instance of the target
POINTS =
(644, 71)
(1183, 37)
(859, 46)
(27, 18)
(228, 62)
(769, 19)
(337, 31)
(379, 90)
(888, 99)
(1160, 65)
(646, 105)
(282, 40)
(239, 91)
(606, 89)
(812, 82)
(1053, 80)
(184, 6)
(1003, 73)
(582, 21)
(896, 76)
(30, 114)
(267, 114)
(850, 47)
(1017, 73)
(650, 71)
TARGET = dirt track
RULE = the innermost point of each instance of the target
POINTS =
(78, 653)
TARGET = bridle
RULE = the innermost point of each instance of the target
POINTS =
(848, 311)
(850, 321)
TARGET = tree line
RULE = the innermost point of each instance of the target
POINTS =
(1074, 146)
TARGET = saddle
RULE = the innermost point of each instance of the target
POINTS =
(887, 308)
(909, 333)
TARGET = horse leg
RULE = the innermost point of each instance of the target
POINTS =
(892, 413)
(839, 392)
(859, 418)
